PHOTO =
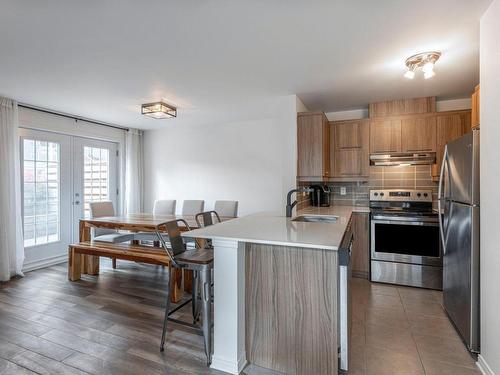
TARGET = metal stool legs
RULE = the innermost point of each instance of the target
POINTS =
(201, 278)
(194, 296)
(167, 311)
(206, 281)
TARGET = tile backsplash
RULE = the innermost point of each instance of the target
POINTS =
(357, 193)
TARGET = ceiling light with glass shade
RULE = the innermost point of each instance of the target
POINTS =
(158, 110)
(424, 61)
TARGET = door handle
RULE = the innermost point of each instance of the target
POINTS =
(440, 197)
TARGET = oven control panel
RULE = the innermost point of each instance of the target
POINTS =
(401, 195)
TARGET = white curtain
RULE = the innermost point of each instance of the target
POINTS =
(11, 230)
(134, 171)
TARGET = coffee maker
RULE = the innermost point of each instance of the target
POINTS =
(320, 197)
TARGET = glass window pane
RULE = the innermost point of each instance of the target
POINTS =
(29, 171)
(53, 151)
(29, 149)
(53, 172)
(96, 179)
(41, 150)
(41, 185)
(53, 208)
(40, 230)
(41, 172)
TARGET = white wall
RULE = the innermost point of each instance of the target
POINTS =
(251, 159)
(490, 182)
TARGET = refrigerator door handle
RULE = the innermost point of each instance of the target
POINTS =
(440, 197)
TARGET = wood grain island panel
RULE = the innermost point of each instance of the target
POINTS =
(291, 309)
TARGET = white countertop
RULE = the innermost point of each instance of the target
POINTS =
(276, 229)
(331, 210)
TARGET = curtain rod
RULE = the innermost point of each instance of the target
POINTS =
(76, 118)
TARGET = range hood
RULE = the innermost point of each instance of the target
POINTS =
(402, 159)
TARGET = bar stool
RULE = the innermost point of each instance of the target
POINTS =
(201, 262)
(205, 219)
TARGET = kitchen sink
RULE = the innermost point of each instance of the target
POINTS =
(316, 218)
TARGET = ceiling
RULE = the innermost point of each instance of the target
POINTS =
(101, 59)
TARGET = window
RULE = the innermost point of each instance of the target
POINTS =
(41, 192)
(95, 176)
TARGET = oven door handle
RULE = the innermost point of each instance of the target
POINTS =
(403, 221)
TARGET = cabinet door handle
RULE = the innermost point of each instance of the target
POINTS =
(419, 150)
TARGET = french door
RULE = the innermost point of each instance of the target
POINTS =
(46, 194)
(61, 175)
(94, 176)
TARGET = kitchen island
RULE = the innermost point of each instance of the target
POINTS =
(278, 292)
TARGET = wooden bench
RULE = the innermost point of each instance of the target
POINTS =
(134, 253)
(131, 252)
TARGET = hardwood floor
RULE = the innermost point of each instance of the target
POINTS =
(109, 324)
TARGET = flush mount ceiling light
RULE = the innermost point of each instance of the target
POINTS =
(158, 110)
(424, 61)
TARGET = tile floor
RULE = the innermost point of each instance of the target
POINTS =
(400, 330)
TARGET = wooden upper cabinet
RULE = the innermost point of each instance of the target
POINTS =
(403, 107)
(449, 127)
(349, 163)
(418, 134)
(350, 154)
(385, 136)
(475, 118)
(313, 146)
(348, 134)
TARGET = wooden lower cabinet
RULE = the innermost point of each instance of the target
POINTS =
(360, 256)
(291, 309)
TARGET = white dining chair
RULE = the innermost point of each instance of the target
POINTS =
(192, 207)
(102, 209)
(160, 207)
(226, 208)
(164, 207)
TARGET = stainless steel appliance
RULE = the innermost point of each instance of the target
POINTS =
(320, 197)
(405, 245)
(407, 158)
(459, 224)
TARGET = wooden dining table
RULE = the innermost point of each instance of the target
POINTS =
(139, 222)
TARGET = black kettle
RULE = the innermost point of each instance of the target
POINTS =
(320, 196)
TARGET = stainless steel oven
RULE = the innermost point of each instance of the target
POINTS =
(405, 246)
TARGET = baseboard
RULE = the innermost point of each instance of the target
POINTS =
(483, 366)
(47, 262)
(230, 367)
(242, 362)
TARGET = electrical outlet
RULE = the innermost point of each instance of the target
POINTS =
(343, 190)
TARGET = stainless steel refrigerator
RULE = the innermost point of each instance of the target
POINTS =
(459, 226)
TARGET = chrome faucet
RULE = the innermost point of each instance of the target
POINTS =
(289, 204)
